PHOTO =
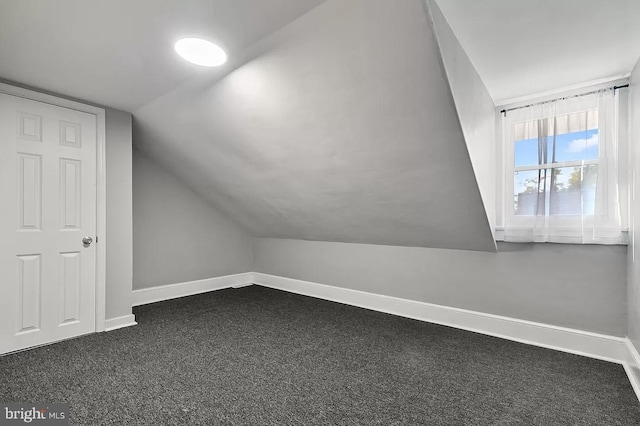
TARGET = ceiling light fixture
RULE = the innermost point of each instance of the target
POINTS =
(201, 52)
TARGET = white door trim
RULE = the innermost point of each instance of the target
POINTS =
(101, 180)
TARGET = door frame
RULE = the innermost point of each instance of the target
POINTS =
(101, 186)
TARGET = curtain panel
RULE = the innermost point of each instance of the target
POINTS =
(562, 169)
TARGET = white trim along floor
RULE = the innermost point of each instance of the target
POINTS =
(594, 345)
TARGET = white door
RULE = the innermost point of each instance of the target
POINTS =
(47, 207)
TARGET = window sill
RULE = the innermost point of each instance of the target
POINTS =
(499, 236)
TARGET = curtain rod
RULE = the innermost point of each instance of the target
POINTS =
(504, 111)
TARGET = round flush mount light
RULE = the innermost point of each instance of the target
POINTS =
(201, 52)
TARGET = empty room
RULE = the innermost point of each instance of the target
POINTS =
(266, 212)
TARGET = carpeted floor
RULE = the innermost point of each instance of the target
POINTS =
(265, 357)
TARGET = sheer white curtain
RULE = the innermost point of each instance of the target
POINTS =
(568, 191)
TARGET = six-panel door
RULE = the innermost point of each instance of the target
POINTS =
(47, 206)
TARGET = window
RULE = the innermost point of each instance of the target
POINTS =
(561, 172)
(556, 165)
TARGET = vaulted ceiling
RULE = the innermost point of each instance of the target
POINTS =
(525, 47)
(356, 121)
(120, 53)
(344, 129)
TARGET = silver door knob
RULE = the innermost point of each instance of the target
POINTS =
(87, 241)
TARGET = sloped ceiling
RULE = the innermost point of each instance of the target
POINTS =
(476, 110)
(525, 47)
(343, 128)
(120, 53)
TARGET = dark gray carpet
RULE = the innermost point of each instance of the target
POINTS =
(261, 356)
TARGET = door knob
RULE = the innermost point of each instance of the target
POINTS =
(87, 241)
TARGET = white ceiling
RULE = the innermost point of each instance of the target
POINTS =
(119, 53)
(343, 129)
(337, 124)
(525, 47)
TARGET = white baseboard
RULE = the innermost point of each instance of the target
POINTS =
(632, 367)
(120, 322)
(600, 346)
(247, 284)
(593, 345)
(173, 291)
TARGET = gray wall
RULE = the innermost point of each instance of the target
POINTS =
(475, 108)
(633, 294)
(178, 236)
(119, 213)
(344, 129)
(582, 287)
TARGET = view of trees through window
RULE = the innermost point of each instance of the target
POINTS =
(556, 175)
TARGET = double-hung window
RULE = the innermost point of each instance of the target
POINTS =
(561, 174)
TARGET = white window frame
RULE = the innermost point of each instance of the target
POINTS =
(505, 153)
(563, 222)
